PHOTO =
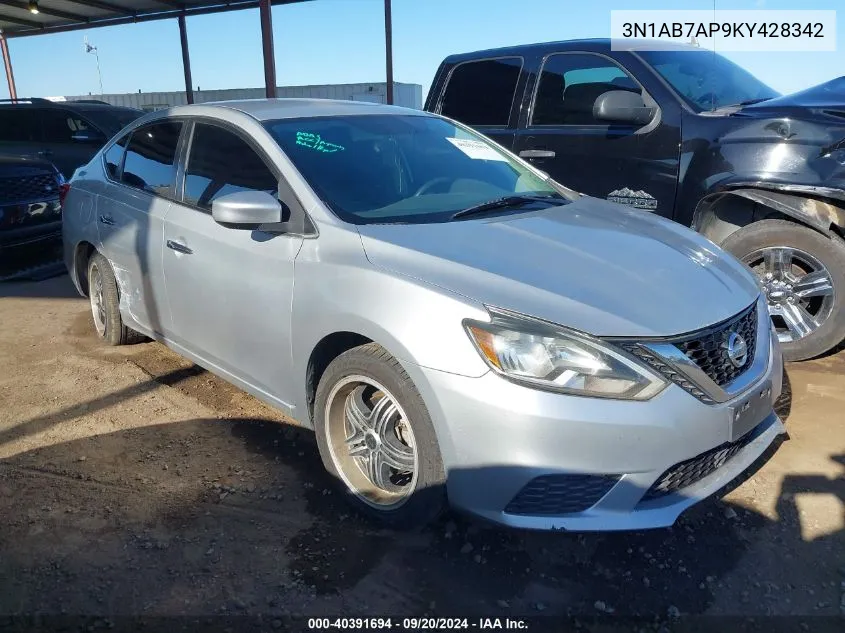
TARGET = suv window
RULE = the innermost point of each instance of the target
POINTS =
(114, 157)
(19, 125)
(482, 92)
(61, 125)
(220, 163)
(151, 157)
(569, 85)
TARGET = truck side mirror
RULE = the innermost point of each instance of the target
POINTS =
(622, 106)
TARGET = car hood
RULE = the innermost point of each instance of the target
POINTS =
(590, 265)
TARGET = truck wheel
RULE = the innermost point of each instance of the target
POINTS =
(802, 273)
(377, 439)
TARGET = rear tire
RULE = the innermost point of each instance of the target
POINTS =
(105, 304)
(786, 257)
(377, 440)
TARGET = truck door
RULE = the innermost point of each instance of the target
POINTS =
(482, 94)
(626, 163)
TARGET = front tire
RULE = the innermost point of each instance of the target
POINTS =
(802, 273)
(376, 438)
(105, 304)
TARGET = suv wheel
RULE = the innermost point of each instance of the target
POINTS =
(376, 438)
(802, 273)
(105, 308)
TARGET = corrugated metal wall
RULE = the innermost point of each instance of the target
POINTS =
(407, 95)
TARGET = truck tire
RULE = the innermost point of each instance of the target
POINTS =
(377, 439)
(802, 273)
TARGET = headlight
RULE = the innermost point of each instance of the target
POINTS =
(546, 356)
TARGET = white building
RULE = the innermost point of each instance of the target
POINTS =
(407, 95)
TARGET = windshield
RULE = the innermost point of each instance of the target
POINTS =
(707, 81)
(402, 168)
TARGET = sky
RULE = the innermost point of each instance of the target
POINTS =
(342, 41)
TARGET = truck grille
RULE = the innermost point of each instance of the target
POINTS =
(552, 495)
(708, 349)
(688, 472)
(38, 187)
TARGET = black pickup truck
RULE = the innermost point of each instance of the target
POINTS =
(681, 132)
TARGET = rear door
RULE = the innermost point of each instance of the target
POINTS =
(631, 164)
(230, 289)
(70, 141)
(20, 131)
(130, 215)
(485, 94)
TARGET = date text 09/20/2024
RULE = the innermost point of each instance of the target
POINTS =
(416, 624)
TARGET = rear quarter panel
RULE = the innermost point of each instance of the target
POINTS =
(79, 216)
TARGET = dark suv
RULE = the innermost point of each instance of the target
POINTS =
(31, 192)
(66, 133)
(686, 134)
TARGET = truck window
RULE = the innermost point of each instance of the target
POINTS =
(569, 86)
(482, 92)
(19, 125)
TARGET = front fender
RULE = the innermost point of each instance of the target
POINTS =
(416, 322)
(793, 201)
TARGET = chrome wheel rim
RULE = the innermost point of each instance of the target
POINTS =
(798, 288)
(98, 305)
(371, 442)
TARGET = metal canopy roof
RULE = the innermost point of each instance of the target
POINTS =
(56, 16)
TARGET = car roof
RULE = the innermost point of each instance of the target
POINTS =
(599, 45)
(272, 109)
(91, 108)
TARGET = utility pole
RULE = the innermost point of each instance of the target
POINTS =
(93, 49)
(388, 46)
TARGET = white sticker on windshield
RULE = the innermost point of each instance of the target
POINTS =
(477, 149)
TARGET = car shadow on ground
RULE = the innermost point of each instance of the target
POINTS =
(238, 517)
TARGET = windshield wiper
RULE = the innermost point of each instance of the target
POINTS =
(507, 202)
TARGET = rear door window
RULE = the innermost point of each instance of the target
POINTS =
(221, 162)
(19, 125)
(569, 85)
(114, 158)
(482, 92)
(151, 157)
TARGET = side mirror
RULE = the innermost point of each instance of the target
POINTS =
(87, 136)
(247, 209)
(622, 106)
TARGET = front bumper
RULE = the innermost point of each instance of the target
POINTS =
(496, 437)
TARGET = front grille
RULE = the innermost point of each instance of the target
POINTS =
(669, 372)
(28, 188)
(708, 349)
(552, 495)
(692, 470)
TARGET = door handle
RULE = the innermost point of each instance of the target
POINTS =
(537, 153)
(106, 219)
(45, 152)
(179, 247)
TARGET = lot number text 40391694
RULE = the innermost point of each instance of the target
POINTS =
(417, 624)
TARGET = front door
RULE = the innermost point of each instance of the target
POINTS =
(69, 141)
(230, 289)
(130, 218)
(629, 164)
(482, 94)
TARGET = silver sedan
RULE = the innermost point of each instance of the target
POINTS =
(454, 325)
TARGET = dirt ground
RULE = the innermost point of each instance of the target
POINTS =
(133, 482)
